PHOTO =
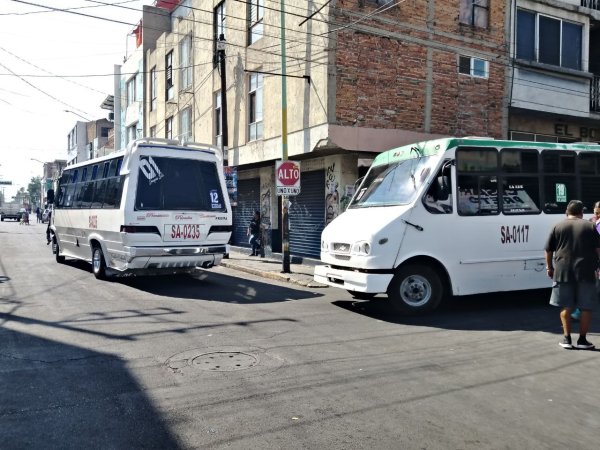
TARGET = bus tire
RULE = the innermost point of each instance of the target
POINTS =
(56, 249)
(98, 263)
(415, 289)
(362, 295)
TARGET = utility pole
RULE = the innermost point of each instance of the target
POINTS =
(224, 129)
(285, 220)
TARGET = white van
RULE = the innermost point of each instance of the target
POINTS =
(157, 207)
(455, 217)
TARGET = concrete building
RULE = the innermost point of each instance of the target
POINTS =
(88, 140)
(555, 72)
(363, 76)
(127, 104)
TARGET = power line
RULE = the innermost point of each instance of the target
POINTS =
(41, 90)
(66, 9)
(300, 60)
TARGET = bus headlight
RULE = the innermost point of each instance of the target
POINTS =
(361, 248)
(324, 246)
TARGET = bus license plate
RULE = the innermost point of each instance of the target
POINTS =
(182, 232)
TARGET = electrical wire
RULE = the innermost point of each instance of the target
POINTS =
(66, 9)
(41, 90)
(299, 60)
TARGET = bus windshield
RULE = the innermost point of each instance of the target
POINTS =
(178, 184)
(394, 184)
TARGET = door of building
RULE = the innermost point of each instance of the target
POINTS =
(248, 201)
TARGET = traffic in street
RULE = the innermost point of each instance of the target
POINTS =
(228, 359)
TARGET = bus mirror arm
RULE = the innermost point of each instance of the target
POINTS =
(418, 227)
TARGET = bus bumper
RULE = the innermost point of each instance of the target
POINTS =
(142, 260)
(352, 280)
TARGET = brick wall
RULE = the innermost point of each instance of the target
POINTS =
(382, 75)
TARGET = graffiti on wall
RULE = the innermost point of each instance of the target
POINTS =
(345, 200)
(265, 211)
(332, 196)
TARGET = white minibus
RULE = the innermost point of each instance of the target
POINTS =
(156, 207)
(455, 217)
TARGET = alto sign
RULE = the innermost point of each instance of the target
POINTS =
(287, 177)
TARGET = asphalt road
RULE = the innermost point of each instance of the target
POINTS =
(229, 360)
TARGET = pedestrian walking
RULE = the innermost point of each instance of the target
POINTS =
(572, 252)
(254, 233)
(595, 219)
(38, 214)
(48, 240)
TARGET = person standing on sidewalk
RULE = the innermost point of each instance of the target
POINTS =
(572, 252)
(595, 219)
(254, 233)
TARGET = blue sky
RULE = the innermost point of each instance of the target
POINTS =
(36, 41)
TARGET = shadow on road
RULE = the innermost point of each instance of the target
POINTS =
(207, 285)
(504, 311)
(56, 395)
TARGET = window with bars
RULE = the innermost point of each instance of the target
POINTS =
(185, 62)
(255, 20)
(185, 125)
(131, 90)
(169, 75)
(132, 133)
(474, 13)
(549, 40)
(153, 89)
(255, 107)
(169, 128)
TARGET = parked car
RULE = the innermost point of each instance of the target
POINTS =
(10, 211)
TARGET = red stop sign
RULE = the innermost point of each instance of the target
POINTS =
(288, 173)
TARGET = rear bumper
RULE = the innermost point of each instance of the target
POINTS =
(352, 280)
(142, 260)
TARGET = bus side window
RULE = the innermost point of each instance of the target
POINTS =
(438, 198)
(60, 198)
(477, 181)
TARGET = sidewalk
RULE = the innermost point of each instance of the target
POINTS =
(271, 267)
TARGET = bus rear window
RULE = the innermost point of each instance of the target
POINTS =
(175, 184)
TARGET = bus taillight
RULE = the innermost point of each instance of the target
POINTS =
(139, 229)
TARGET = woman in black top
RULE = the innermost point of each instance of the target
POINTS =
(254, 233)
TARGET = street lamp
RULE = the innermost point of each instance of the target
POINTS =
(77, 114)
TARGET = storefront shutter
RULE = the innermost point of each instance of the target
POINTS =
(307, 215)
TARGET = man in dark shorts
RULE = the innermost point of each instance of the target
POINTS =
(572, 252)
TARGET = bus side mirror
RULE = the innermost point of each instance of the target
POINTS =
(357, 183)
(50, 195)
(440, 188)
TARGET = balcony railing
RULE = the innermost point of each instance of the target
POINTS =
(595, 94)
(592, 4)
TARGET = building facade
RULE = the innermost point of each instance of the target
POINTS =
(362, 76)
(555, 71)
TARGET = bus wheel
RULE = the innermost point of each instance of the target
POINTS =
(362, 295)
(415, 289)
(56, 249)
(98, 263)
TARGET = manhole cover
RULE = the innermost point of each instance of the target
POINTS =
(224, 361)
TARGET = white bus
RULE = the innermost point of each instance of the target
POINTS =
(156, 207)
(455, 217)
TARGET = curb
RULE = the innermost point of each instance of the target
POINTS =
(272, 275)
